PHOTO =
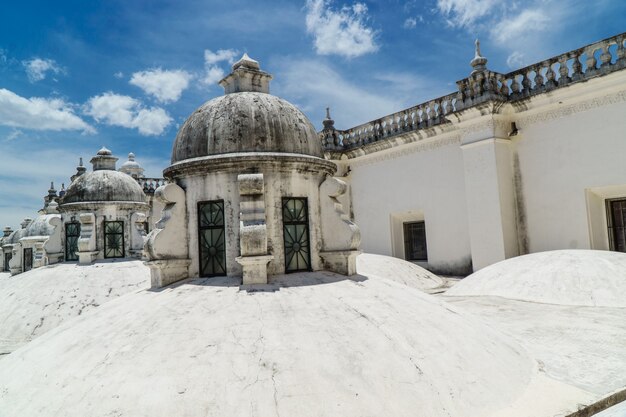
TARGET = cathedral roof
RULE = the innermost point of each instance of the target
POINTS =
(246, 119)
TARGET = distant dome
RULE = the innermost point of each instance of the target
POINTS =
(567, 277)
(246, 122)
(104, 185)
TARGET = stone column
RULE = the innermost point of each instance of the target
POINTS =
(252, 230)
(490, 194)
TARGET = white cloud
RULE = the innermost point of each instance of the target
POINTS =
(340, 32)
(39, 113)
(528, 21)
(410, 23)
(515, 60)
(119, 74)
(220, 55)
(351, 103)
(37, 68)
(124, 111)
(15, 133)
(466, 13)
(214, 73)
(166, 86)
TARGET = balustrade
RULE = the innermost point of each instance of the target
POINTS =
(150, 185)
(480, 86)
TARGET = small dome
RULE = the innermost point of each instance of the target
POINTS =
(246, 122)
(565, 277)
(104, 185)
(131, 166)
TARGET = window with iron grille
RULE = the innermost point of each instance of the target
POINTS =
(296, 234)
(616, 219)
(415, 241)
(72, 233)
(211, 238)
(114, 239)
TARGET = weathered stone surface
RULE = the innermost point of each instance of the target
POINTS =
(246, 122)
(104, 185)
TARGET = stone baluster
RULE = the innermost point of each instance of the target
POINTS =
(515, 86)
(591, 60)
(526, 83)
(621, 52)
(504, 87)
(605, 56)
(577, 66)
(538, 78)
(563, 70)
(550, 76)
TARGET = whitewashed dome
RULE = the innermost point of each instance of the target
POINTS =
(246, 119)
(566, 277)
(104, 183)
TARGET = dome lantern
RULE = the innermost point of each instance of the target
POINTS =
(104, 160)
(246, 76)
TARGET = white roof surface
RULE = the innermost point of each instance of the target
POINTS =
(316, 344)
(566, 277)
(36, 301)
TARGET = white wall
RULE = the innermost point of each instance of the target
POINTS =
(559, 159)
(429, 182)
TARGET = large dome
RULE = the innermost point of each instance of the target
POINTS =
(104, 185)
(246, 122)
(246, 119)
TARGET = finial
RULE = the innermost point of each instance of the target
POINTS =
(80, 164)
(329, 124)
(131, 156)
(479, 63)
(246, 76)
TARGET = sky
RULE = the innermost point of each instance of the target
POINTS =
(77, 75)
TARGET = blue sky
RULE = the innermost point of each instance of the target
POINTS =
(77, 75)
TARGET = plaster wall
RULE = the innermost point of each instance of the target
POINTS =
(107, 212)
(278, 184)
(416, 183)
(566, 163)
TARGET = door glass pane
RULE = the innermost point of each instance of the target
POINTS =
(296, 235)
(212, 238)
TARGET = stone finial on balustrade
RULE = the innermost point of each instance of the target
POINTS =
(329, 136)
(479, 63)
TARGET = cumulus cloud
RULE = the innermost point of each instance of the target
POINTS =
(527, 21)
(119, 75)
(213, 72)
(166, 86)
(351, 102)
(466, 13)
(340, 32)
(39, 113)
(124, 111)
(37, 69)
(515, 60)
